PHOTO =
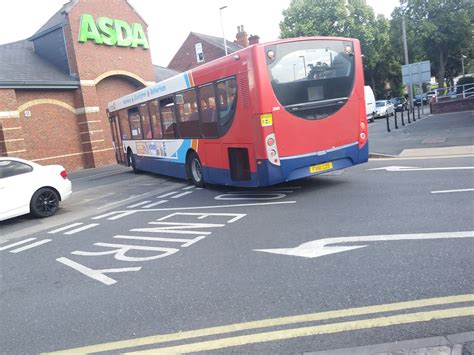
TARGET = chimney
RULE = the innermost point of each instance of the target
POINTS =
(241, 37)
(254, 39)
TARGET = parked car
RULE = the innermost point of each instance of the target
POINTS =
(400, 103)
(27, 187)
(383, 108)
(369, 103)
(419, 98)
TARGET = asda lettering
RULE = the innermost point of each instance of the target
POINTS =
(112, 32)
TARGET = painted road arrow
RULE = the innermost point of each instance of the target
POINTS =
(412, 168)
(320, 247)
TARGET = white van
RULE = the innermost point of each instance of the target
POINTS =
(369, 103)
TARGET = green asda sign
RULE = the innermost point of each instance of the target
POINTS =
(112, 32)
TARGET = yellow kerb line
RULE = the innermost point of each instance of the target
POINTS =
(311, 331)
(157, 339)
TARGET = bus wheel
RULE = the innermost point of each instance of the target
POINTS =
(194, 168)
(131, 161)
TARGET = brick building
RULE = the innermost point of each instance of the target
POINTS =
(198, 49)
(55, 85)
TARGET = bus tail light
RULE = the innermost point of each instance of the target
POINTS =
(363, 131)
(272, 151)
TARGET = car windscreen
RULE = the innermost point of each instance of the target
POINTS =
(379, 104)
(312, 79)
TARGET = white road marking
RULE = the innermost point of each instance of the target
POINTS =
(189, 187)
(29, 246)
(138, 204)
(83, 228)
(449, 191)
(317, 248)
(120, 251)
(120, 214)
(96, 274)
(186, 242)
(116, 202)
(64, 228)
(182, 194)
(236, 216)
(5, 247)
(410, 168)
(168, 194)
(155, 204)
(240, 196)
(95, 198)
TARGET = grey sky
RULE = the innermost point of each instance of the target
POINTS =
(169, 22)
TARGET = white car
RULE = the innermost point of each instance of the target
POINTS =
(29, 187)
(369, 103)
(383, 108)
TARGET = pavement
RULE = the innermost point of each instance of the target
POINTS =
(429, 136)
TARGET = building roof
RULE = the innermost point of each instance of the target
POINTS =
(20, 67)
(56, 21)
(60, 18)
(162, 73)
(219, 42)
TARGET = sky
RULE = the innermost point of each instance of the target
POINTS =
(169, 22)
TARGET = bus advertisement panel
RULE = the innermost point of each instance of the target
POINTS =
(266, 114)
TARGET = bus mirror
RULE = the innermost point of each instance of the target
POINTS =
(179, 99)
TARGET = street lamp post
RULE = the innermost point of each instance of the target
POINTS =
(222, 25)
(304, 64)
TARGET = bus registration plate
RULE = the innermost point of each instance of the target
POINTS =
(320, 167)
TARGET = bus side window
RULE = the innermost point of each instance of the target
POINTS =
(135, 124)
(124, 125)
(226, 100)
(207, 106)
(188, 115)
(168, 118)
(155, 119)
(145, 121)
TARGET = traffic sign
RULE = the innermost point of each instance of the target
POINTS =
(416, 73)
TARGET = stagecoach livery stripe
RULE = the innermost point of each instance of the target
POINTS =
(166, 87)
(194, 144)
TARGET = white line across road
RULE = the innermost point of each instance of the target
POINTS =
(321, 247)
(411, 168)
(450, 191)
(65, 228)
(83, 228)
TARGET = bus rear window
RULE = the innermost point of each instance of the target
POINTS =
(311, 79)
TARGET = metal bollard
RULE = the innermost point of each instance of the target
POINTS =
(418, 112)
(395, 118)
(413, 113)
(403, 121)
(408, 113)
(388, 124)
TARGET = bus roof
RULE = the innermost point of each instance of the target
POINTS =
(185, 81)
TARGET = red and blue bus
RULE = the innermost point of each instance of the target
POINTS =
(267, 114)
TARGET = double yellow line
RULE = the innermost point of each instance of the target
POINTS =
(240, 340)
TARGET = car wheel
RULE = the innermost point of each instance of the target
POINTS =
(194, 169)
(44, 203)
(131, 161)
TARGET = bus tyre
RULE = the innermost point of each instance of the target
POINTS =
(194, 168)
(131, 161)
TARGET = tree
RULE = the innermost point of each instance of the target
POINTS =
(351, 18)
(444, 30)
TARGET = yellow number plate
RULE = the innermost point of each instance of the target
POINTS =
(320, 167)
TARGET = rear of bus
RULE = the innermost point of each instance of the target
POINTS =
(309, 93)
